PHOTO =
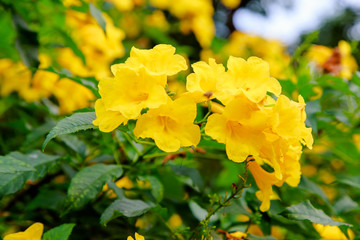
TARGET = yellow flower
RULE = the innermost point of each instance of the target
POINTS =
(252, 77)
(42, 83)
(69, 101)
(240, 127)
(34, 232)
(231, 3)
(157, 19)
(122, 5)
(99, 48)
(175, 221)
(348, 62)
(132, 90)
(288, 120)
(208, 79)
(67, 59)
(337, 61)
(161, 60)
(14, 77)
(238, 235)
(328, 232)
(264, 180)
(107, 120)
(171, 125)
(137, 237)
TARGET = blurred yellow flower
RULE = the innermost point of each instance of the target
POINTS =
(99, 48)
(34, 232)
(175, 221)
(14, 77)
(171, 125)
(157, 19)
(137, 237)
(231, 3)
(238, 235)
(71, 95)
(328, 232)
(337, 61)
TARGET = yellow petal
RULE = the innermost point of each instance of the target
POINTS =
(216, 127)
(34, 232)
(139, 237)
(107, 120)
(160, 60)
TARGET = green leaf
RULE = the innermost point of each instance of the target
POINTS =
(47, 199)
(157, 189)
(88, 183)
(125, 207)
(200, 213)
(254, 237)
(10, 165)
(118, 191)
(74, 123)
(16, 168)
(306, 211)
(89, 82)
(38, 160)
(96, 13)
(61, 232)
(190, 176)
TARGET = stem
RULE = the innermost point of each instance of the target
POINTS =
(173, 234)
(207, 114)
(234, 195)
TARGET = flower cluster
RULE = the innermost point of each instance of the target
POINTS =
(249, 122)
(16, 77)
(100, 48)
(195, 16)
(337, 61)
(139, 84)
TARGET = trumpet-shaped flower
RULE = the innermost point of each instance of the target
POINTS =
(34, 232)
(171, 125)
(240, 127)
(288, 120)
(252, 77)
(107, 120)
(132, 90)
(161, 60)
(264, 180)
(208, 79)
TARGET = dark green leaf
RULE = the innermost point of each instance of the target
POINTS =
(192, 176)
(38, 160)
(47, 199)
(16, 168)
(157, 189)
(61, 232)
(74, 123)
(306, 211)
(10, 165)
(88, 183)
(126, 207)
(118, 191)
